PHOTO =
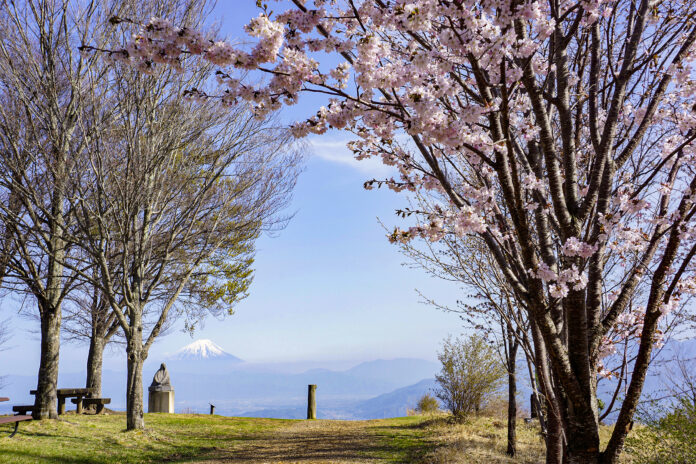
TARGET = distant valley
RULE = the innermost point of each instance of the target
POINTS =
(203, 373)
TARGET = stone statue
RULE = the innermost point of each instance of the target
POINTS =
(160, 382)
(161, 396)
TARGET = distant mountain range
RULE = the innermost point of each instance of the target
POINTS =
(202, 373)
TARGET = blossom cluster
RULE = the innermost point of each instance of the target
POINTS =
(471, 83)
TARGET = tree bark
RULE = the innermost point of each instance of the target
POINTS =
(554, 425)
(583, 444)
(134, 392)
(94, 364)
(45, 400)
(554, 434)
(512, 397)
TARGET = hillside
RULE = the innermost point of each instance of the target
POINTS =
(212, 439)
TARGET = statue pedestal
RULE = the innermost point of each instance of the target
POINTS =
(160, 401)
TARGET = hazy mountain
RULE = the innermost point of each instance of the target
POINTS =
(392, 404)
(395, 403)
(204, 373)
(202, 349)
(401, 371)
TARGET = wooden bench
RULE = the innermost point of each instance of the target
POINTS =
(64, 393)
(16, 419)
(99, 402)
(26, 409)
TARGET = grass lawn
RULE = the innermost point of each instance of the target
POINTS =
(214, 439)
(102, 439)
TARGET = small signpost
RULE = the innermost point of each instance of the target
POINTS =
(311, 402)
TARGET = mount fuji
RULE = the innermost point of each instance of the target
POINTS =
(203, 349)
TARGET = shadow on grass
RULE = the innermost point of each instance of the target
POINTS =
(35, 457)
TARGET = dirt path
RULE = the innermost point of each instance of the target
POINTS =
(318, 441)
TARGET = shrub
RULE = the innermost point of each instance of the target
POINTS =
(669, 439)
(427, 404)
(471, 370)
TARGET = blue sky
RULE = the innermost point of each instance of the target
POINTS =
(328, 289)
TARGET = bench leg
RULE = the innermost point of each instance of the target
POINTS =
(15, 430)
(79, 406)
(100, 408)
(61, 405)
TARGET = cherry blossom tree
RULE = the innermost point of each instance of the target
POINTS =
(561, 133)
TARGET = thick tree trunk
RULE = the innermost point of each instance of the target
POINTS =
(582, 429)
(512, 400)
(134, 392)
(94, 364)
(45, 400)
(583, 442)
(50, 304)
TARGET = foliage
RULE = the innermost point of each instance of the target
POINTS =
(471, 370)
(427, 404)
(668, 439)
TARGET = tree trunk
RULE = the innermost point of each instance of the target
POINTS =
(554, 439)
(582, 428)
(134, 392)
(512, 397)
(45, 400)
(50, 303)
(94, 364)
(583, 446)
(554, 424)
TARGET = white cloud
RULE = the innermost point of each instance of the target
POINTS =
(335, 151)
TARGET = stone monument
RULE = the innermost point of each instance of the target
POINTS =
(161, 393)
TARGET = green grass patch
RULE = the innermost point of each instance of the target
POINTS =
(103, 439)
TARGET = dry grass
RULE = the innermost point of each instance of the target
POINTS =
(482, 440)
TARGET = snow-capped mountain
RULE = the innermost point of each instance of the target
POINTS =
(202, 349)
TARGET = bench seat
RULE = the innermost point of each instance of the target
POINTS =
(16, 420)
(23, 409)
(99, 402)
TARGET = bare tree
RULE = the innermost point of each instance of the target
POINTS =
(42, 85)
(88, 317)
(170, 200)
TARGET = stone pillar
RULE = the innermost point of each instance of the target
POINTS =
(160, 401)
